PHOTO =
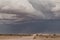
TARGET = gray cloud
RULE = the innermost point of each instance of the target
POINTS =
(50, 9)
(44, 7)
(31, 15)
(24, 10)
(15, 10)
(43, 26)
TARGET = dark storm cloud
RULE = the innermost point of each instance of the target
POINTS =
(22, 10)
(15, 10)
(43, 26)
(27, 11)
(45, 7)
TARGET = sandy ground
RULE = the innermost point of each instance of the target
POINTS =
(33, 37)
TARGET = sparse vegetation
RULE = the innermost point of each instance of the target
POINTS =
(46, 36)
(15, 34)
(32, 36)
(54, 34)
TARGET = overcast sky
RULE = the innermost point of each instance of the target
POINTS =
(20, 10)
(28, 14)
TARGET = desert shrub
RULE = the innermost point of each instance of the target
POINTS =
(54, 34)
(37, 35)
(34, 37)
(46, 36)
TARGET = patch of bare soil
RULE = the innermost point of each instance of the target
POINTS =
(30, 37)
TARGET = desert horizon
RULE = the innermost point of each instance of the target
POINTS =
(39, 36)
(29, 19)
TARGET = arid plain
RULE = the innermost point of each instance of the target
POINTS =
(29, 36)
